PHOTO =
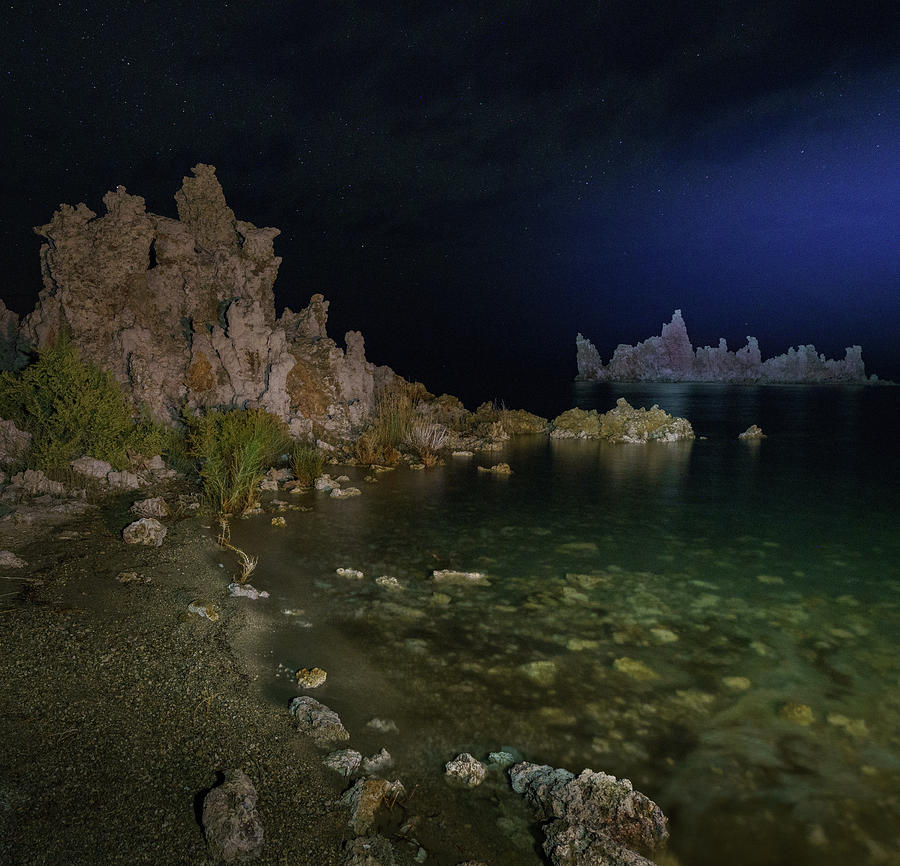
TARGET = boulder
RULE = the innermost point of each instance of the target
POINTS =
(34, 483)
(147, 531)
(594, 817)
(465, 770)
(344, 761)
(93, 468)
(14, 443)
(752, 432)
(154, 507)
(230, 819)
(318, 721)
(364, 798)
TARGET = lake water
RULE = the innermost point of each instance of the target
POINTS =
(718, 621)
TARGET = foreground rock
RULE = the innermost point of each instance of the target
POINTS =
(318, 721)
(465, 770)
(147, 531)
(671, 357)
(592, 819)
(364, 799)
(230, 820)
(624, 423)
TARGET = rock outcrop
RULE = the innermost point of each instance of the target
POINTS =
(623, 423)
(182, 311)
(671, 357)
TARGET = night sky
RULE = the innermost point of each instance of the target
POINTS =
(470, 184)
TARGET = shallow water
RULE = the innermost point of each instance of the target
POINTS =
(718, 621)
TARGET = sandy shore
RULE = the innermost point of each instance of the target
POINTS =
(118, 710)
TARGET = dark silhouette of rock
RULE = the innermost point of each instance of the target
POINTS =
(670, 357)
(183, 311)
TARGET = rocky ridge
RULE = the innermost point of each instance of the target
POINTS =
(671, 357)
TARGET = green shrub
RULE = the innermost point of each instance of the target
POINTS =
(234, 448)
(394, 417)
(72, 408)
(307, 463)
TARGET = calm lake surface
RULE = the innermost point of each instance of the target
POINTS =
(718, 621)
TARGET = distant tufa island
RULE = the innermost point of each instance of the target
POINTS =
(670, 357)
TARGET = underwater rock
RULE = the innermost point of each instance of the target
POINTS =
(317, 721)
(635, 669)
(389, 582)
(344, 761)
(246, 590)
(752, 432)
(462, 578)
(671, 357)
(230, 820)
(278, 522)
(368, 851)
(377, 763)
(623, 423)
(383, 726)
(736, 684)
(543, 672)
(497, 469)
(465, 770)
(352, 573)
(310, 678)
(154, 507)
(345, 493)
(593, 816)
(147, 531)
(796, 713)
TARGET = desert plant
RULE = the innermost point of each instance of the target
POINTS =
(71, 407)
(248, 563)
(307, 463)
(234, 448)
(394, 416)
(427, 438)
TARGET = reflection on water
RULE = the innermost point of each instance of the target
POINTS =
(717, 621)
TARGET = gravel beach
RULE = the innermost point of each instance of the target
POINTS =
(119, 710)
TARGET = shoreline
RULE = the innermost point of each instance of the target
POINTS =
(120, 711)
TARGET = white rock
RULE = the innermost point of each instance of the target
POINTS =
(352, 573)
(245, 590)
(465, 769)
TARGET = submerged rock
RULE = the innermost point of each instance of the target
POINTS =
(463, 578)
(345, 492)
(246, 590)
(352, 573)
(465, 770)
(147, 531)
(230, 820)
(207, 611)
(9, 560)
(344, 761)
(593, 818)
(377, 763)
(497, 469)
(310, 678)
(368, 851)
(318, 721)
